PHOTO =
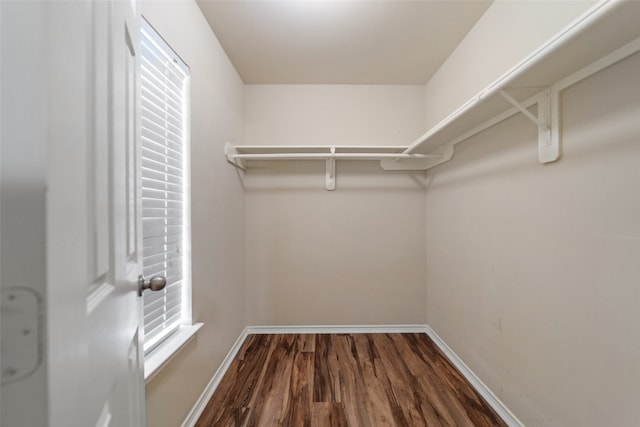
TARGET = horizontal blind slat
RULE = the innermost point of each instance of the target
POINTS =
(157, 134)
(161, 114)
(162, 145)
(148, 173)
(160, 307)
(154, 193)
(155, 230)
(163, 329)
(156, 302)
(160, 87)
(162, 67)
(165, 317)
(168, 170)
(161, 157)
(152, 184)
(154, 94)
(161, 132)
(164, 80)
(163, 119)
(154, 245)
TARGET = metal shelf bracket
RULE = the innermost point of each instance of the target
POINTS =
(547, 122)
(549, 140)
(230, 153)
(331, 171)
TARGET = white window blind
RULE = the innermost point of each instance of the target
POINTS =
(164, 140)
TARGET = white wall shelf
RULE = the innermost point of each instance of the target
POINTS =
(608, 33)
(239, 155)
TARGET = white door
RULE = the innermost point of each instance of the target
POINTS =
(93, 227)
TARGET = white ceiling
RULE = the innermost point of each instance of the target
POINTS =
(340, 41)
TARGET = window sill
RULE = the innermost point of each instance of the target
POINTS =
(161, 355)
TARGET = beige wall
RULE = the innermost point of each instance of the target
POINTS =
(533, 270)
(333, 114)
(217, 211)
(351, 256)
(505, 35)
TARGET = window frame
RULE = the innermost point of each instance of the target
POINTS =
(163, 348)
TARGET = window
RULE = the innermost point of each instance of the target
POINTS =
(165, 187)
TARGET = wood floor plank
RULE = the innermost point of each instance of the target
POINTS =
(326, 384)
(273, 395)
(335, 380)
(299, 409)
(352, 389)
(307, 342)
(377, 400)
(328, 415)
(247, 376)
(400, 381)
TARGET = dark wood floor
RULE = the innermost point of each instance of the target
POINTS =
(344, 380)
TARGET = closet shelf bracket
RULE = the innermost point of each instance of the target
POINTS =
(331, 170)
(230, 153)
(547, 121)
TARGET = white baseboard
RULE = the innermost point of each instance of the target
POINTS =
(475, 382)
(201, 403)
(337, 329)
(484, 391)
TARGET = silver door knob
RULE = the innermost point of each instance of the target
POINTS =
(156, 283)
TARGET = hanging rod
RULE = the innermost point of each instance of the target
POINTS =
(326, 156)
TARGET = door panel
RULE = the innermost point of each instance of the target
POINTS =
(123, 389)
(104, 333)
(100, 147)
